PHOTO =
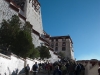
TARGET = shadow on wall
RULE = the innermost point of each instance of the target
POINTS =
(22, 71)
(4, 74)
(15, 72)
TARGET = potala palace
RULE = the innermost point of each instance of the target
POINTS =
(30, 10)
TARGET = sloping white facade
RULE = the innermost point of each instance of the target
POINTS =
(30, 15)
(13, 65)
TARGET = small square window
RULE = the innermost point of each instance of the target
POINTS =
(56, 48)
(63, 48)
(63, 39)
(52, 45)
(56, 44)
(63, 43)
(52, 40)
(56, 39)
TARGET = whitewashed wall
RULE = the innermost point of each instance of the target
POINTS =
(89, 69)
(35, 40)
(14, 65)
(53, 57)
(94, 70)
(5, 11)
(10, 65)
(4, 62)
(34, 18)
(31, 62)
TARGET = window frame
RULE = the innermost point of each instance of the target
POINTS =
(63, 48)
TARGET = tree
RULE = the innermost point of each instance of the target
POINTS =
(17, 38)
(8, 31)
(35, 54)
(61, 54)
(44, 52)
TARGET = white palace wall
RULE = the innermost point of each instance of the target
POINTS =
(34, 17)
(54, 57)
(6, 12)
(12, 65)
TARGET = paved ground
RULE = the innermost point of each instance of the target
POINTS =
(41, 73)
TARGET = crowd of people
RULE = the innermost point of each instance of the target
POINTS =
(65, 68)
(57, 68)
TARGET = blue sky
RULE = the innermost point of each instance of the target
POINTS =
(78, 18)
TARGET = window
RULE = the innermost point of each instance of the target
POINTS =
(52, 40)
(42, 44)
(42, 36)
(52, 45)
(56, 48)
(56, 44)
(63, 48)
(20, 3)
(56, 39)
(63, 39)
(63, 43)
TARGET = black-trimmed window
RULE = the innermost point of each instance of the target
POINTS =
(52, 45)
(63, 43)
(63, 48)
(52, 40)
(20, 3)
(56, 48)
(63, 39)
(56, 39)
(56, 44)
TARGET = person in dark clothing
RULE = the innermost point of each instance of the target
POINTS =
(63, 69)
(40, 66)
(48, 68)
(51, 67)
(59, 64)
(67, 67)
(57, 70)
(35, 68)
(82, 69)
(77, 69)
(99, 70)
(27, 69)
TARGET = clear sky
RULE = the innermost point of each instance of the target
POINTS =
(78, 18)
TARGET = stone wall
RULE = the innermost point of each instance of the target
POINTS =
(5, 11)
